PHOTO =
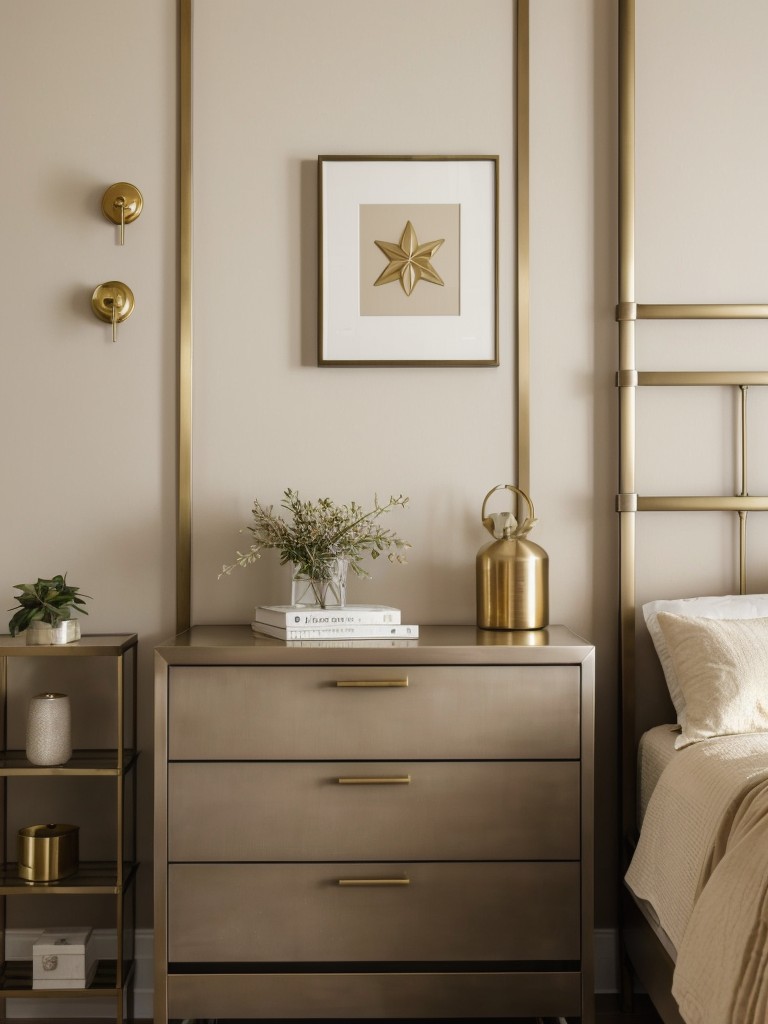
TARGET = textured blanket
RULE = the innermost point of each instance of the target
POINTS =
(722, 966)
(702, 864)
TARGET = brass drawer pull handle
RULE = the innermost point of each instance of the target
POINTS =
(375, 780)
(372, 682)
(374, 881)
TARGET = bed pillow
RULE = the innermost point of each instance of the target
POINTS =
(722, 668)
(732, 606)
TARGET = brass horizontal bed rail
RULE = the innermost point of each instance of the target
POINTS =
(691, 311)
(702, 378)
(697, 503)
(702, 311)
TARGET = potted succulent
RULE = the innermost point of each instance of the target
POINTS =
(322, 540)
(44, 610)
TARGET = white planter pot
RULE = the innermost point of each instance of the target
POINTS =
(43, 634)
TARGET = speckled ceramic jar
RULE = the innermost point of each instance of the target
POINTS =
(49, 734)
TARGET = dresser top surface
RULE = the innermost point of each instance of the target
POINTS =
(436, 645)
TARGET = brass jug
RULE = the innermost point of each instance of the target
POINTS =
(512, 572)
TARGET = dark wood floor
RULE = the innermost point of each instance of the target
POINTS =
(608, 1012)
(607, 1008)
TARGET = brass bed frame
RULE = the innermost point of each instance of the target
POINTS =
(644, 957)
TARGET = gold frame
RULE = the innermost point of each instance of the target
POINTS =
(185, 286)
(323, 356)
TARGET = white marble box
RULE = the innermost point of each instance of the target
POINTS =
(63, 958)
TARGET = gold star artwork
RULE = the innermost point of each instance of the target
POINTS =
(409, 261)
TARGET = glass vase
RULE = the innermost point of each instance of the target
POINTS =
(325, 587)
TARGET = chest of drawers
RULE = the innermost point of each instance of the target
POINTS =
(395, 830)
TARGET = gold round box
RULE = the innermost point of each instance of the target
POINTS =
(512, 572)
(47, 852)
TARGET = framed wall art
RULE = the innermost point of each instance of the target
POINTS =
(408, 261)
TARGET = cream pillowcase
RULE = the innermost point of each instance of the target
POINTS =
(722, 669)
(730, 606)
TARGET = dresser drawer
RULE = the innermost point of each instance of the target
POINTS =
(383, 995)
(301, 713)
(278, 913)
(498, 810)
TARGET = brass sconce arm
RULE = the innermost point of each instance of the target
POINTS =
(113, 302)
(122, 203)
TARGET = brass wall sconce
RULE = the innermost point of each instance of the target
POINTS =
(122, 203)
(113, 302)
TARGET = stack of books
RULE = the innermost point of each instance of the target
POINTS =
(352, 622)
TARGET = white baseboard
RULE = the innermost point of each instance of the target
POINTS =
(19, 945)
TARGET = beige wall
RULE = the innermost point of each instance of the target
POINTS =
(276, 83)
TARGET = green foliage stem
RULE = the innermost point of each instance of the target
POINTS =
(319, 532)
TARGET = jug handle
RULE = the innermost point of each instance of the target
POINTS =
(487, 521)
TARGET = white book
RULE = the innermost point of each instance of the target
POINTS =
(354, 631)
(296, 616)
(336, 642)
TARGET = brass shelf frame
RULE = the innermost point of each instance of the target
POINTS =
(83, 762)
(112, 976)
(116, 879)
(92, 878)
(95, 645)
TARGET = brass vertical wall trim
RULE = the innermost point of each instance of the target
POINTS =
(627, 402)
(522, 203)
(184, 369)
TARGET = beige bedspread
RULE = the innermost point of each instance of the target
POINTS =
(654, 752)
(702, 864)
(729, 928)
